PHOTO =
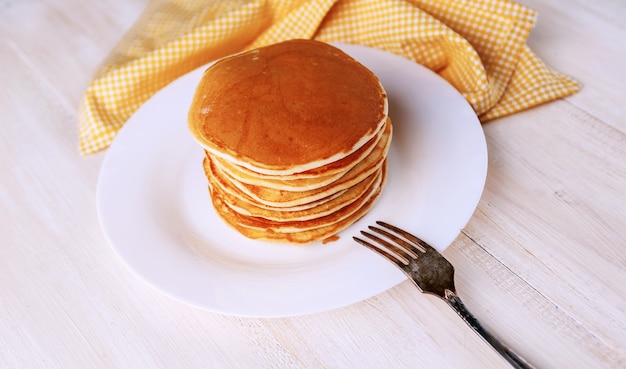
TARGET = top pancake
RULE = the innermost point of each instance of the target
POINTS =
(287, 108)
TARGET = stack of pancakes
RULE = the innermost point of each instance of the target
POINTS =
(296, 136)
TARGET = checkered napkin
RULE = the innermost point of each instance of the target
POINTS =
(476, 45)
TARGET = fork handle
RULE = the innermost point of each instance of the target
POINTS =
(515, 360)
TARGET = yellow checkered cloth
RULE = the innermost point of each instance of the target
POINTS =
(479, 46)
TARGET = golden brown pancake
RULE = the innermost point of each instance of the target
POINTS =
(285, 198)
(233, 192)
(287, 107)
(296, 137)
(318, 208)
(308, 180)
(297, 232)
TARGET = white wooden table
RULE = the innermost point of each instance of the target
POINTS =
(542, 262)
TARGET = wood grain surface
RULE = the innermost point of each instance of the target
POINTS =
(542, 263)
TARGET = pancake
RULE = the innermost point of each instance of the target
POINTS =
(232, 192)
(308, 180)
(284, 198)
(318, 208)
(287, 108)
(296, 233)
(296, 137)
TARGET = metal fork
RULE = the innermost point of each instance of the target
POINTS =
(431, 273)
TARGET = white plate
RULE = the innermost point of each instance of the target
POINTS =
(155, 209)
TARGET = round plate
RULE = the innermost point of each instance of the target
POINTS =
(155, 210)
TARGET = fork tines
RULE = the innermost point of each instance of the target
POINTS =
(398, 246)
